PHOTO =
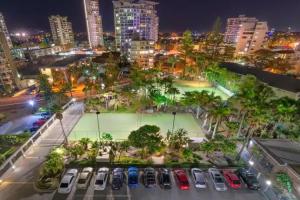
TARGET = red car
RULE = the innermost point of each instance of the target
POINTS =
(181, 179)
(39, 122)
(232, 179)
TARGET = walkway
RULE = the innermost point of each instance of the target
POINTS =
(18, 182)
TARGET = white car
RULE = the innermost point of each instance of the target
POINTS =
(67, 181)
(85, 178)
(198, 178)
(217, 179)
(101, 178)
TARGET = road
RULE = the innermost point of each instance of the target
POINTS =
(18, 126)
(18, 183)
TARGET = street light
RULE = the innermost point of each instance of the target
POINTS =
(98, 113)
(174, 115)
(268, 183)
(31, 102)
(73, 99)
(251, 163)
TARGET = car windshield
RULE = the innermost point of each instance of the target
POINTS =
(218, 180)
(252, 179)
(99, 182)
(166, 178)
(133, 179)
(81, 181)
(64, 185)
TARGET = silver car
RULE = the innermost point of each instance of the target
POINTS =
(101, 178)
(217, 179)
(85, 178)
(198, 178)
(67, 181)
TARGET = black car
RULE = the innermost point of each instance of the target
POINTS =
(164, 179)
(149, 177)
(34, 129)
(249, 179)
(117, 178)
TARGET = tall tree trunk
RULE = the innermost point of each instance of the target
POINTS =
(64, 133)
(210, 124)
(216, 128)
(198, 112)
(205, 120)
(241, 124)
(245, 143)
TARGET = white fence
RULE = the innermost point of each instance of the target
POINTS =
(21, 150)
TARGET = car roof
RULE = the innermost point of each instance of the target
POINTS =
(103, 169)
(100, 176)
(66, 178)
(83, 175)
(72, 171)
(232, 175)
(87, 169)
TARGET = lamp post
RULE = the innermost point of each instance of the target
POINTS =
(268, 184)
(174, 115)
(98, 113)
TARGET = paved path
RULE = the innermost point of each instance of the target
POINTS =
(18, 182)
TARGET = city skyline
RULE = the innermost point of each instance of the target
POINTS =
(195, 15)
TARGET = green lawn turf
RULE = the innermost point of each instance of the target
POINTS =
(121, 124)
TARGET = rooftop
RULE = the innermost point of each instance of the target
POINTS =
(283, 82)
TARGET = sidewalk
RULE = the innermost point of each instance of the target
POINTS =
(22, 177)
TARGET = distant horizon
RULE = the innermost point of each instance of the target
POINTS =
(198, 16)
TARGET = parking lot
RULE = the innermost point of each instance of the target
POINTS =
(157, 193)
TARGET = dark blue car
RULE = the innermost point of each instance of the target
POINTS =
(133, 177)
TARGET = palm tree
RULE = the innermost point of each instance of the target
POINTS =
(58, 113)
(219, 112)
(85, 142)
(173, 60)
(173, 91)
(177, 139)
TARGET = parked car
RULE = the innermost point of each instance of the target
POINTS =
(84, 178)
(34, 129)
(217, 179)
(149, 177)
(232, 179)
(249, 179)
(164, 178)
(181, 179)
(67, 181)
(133, 177)
(198, 177)
(101, 178)
(39, 122)
(117, 178)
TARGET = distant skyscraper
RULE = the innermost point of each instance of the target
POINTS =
(3, 28)
(136, 30)
(62, 31)
(134, 20)
(247, 34)
(93, 23)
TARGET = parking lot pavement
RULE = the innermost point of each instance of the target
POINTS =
(157, 193)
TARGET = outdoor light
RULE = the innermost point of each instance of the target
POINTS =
(13, 167)
(31, 102)
(251, 162)
(251, 142)
(73, 99)
(268, 182)
(1, 181)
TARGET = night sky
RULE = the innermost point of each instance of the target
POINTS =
(175, 15)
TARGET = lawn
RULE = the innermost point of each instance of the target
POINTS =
(121, 124)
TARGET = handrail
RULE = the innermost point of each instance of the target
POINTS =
(38, 133)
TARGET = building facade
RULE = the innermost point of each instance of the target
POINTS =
(3, 29)
(246, 34)
(134, 20)
(61, 30)
(142, 52)
(93, 23)
(7, 72)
